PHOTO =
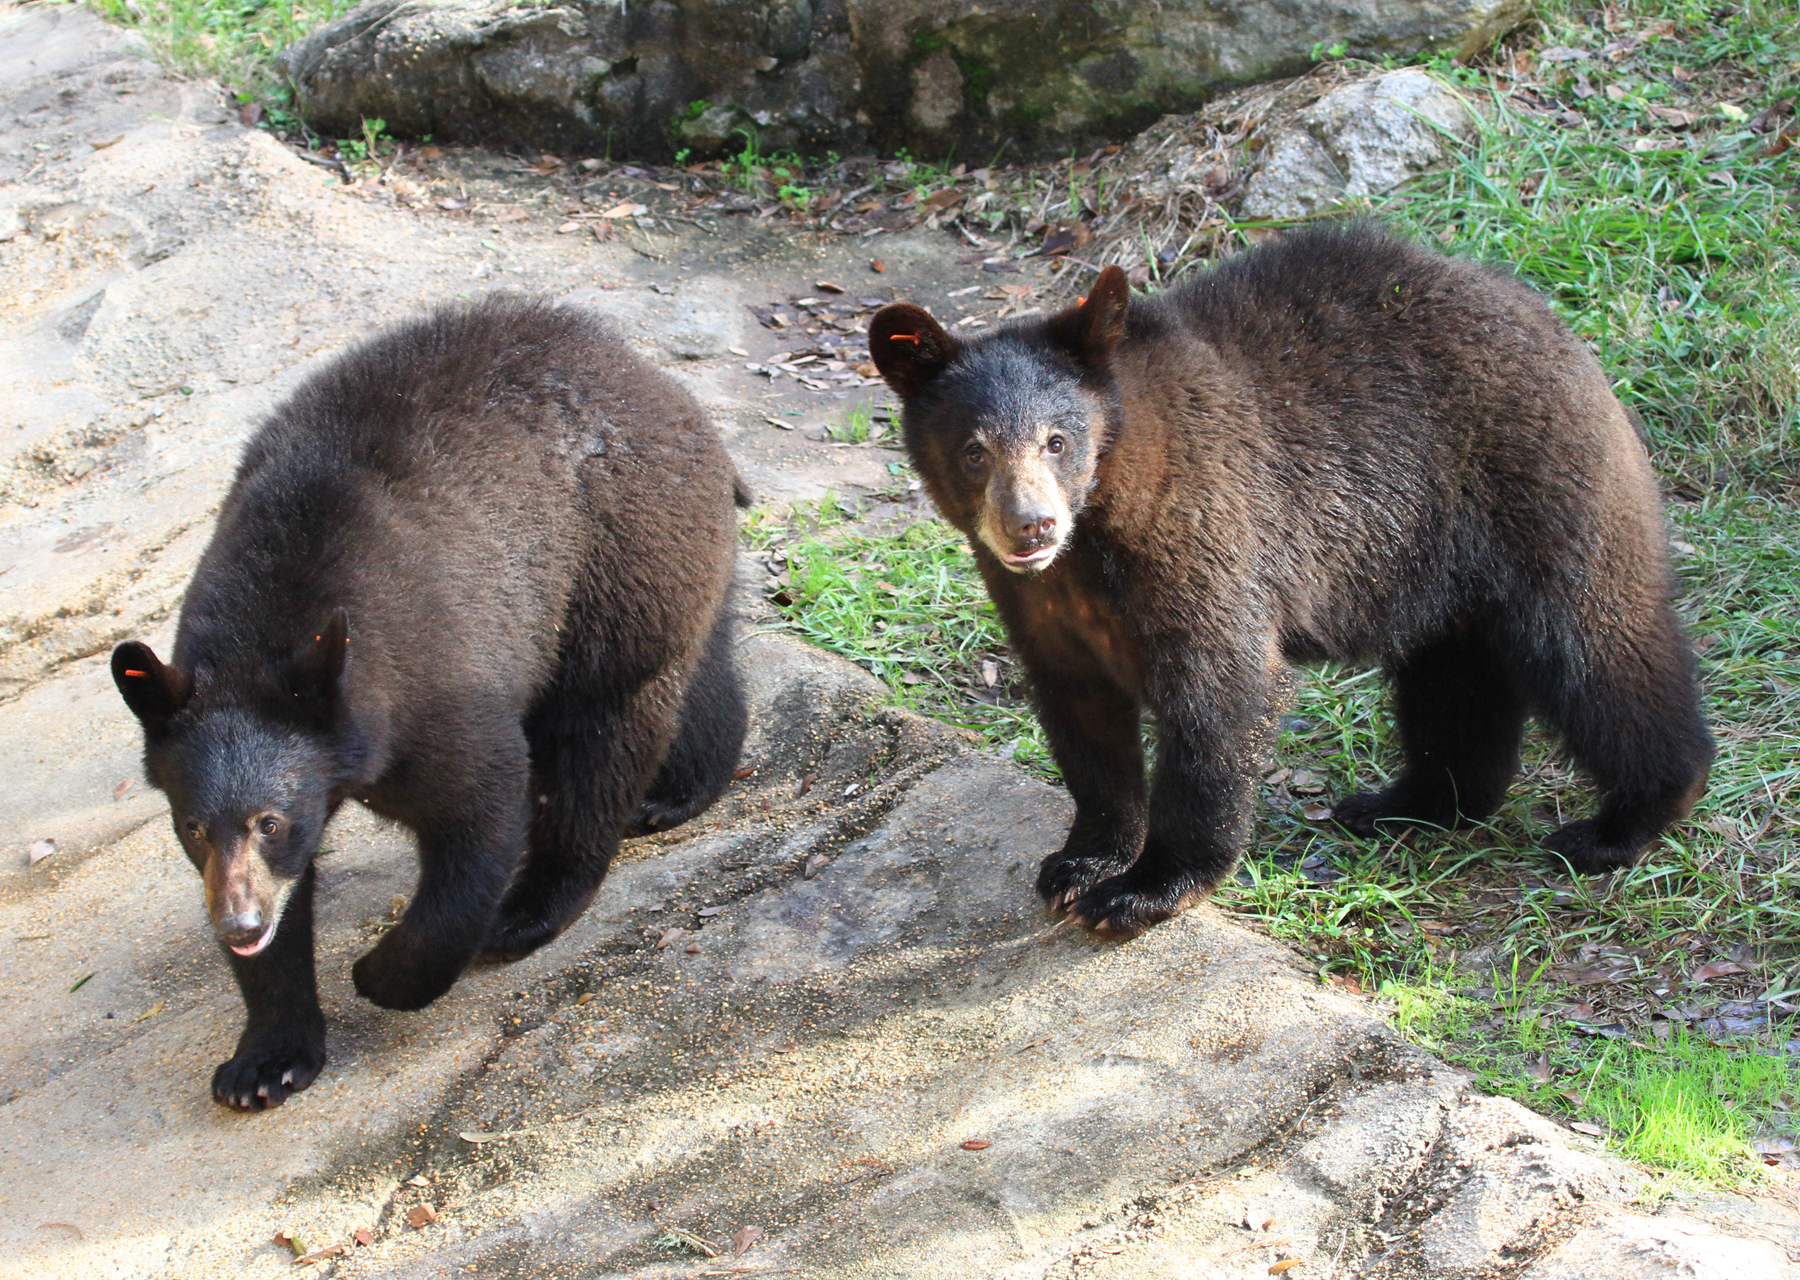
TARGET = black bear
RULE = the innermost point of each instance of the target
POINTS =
(1338, 445)
(473, 574)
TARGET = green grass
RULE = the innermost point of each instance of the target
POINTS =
(233, 41)
(1682, 268)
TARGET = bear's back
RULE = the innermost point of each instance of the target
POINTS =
(456, 477)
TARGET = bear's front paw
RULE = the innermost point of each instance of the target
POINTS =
(1064, 876)
(1124, 906)
(399, 973)
(1581, 845)
(1377, 813)
(262, 1076)
(516, 935)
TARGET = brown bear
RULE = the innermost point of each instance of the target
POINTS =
(1335, 446)
(473, 574)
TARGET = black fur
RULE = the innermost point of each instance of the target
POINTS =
(474, 574)
(1336, 446)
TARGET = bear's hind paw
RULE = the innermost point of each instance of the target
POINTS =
(1579, 844)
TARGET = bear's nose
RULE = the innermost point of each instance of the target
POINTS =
(239, 930)
(1037, 526)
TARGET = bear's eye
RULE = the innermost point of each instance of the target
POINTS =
(973, 454)
(269, 826)
(193, 829)
(1054, 444)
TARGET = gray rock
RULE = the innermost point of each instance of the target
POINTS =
(1634, 1247)
(931, 75)
(1362, 138)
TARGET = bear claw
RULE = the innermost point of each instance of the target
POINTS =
(261, 1079)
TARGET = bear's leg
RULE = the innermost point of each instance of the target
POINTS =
(1209, 716)
(1461, 714)
(593, 759)
(705, 752)
(1627, 705)
(467, 851)
(282, 1049)
(1093, 730)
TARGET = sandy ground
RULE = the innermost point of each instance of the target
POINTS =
(825, 1030)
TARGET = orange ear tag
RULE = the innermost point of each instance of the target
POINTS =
(904, 337)
(139, 674)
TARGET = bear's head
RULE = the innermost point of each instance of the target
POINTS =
(249, 767)
(1006, 429)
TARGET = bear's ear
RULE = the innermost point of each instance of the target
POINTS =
(153, 691)
(909, 347)
(1092, 329)
(319, 666)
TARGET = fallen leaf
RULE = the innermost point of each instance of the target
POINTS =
(670, 936)
(704, 912)
(287, 1240)
(737, 351)
(990, 674)
(876, 264)
(806, 784)
(815, 864)
(584, 997)
(322, 1255)
(39, 851)
(101, 146)
(1541, 1070)
(867, 370)
(1615, 94)
(976, 1144)
(151, 1012)
(431, 153)
(422, 1215)
(120, 790)
(1674, 118)
(1731, 111)
(1032, 1044)
(786, 1046)
(79, 984)
(943, 199)
(364, 1237)
(567, 227)
(745, 1237)
(693, 948)
(1714, 969)
(1316, 812)
(1283, 1267)
(453, 204)
(626, 210)
(829, 287)
(249, 114)
(1592, 1130)
(512, 215)
(418, 1180)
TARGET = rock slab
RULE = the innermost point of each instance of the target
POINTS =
(934, 76)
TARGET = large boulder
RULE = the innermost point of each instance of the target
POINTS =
(935, 76)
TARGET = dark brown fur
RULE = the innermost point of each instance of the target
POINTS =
(1337, 446)
(473, 574)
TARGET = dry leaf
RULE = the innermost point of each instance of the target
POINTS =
(287, 1240)
(704, 912)
(151, 1012)
(1541, 1070)
(876, 264)
(806, 784)
(626, 210)
(567, 227)
(741, 774)
(453, 204)
(120, 790)
(322, 1255)
(815, 864)
(421, 1215)
(101, 146)
(1283, 1267)
(670, 936)
(693, 948)
(39, 851)
(1316, 812)
(1714, 969)
(990, 674)
(745, 1237)
(828, 287)
(477, 1137)
(418, 1180)
(1674, 118)
(1592, 1130)
(364, 1237)
(976, 1144)
(511, 215)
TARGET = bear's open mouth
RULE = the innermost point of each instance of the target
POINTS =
(1029, 560)
(268, 936)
